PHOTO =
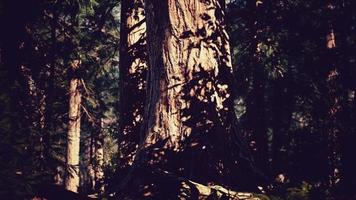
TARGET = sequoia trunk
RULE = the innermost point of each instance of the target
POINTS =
(189, 122)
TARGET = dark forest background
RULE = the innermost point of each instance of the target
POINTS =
(295, 68)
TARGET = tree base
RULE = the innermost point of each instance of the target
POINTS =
(147, 183)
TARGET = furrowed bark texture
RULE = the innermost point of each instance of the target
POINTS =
(133, 70)
(73, 135)
(189, 121)
(190, 64)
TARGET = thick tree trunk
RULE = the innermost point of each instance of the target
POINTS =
(190, 65)
(133, 70)
(189, 119)
(73, 135)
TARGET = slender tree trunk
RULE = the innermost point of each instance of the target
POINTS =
(96, 159)
(37, 109)
(91, 172)
(334, 106)
(189, 122)
(282, 107)
(256, 99)
(348, 135)
(99, 160)
(50, 79)
(73, 135)
(133, 70)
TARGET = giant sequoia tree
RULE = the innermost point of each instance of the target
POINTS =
(189, 125)
(179, 138)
